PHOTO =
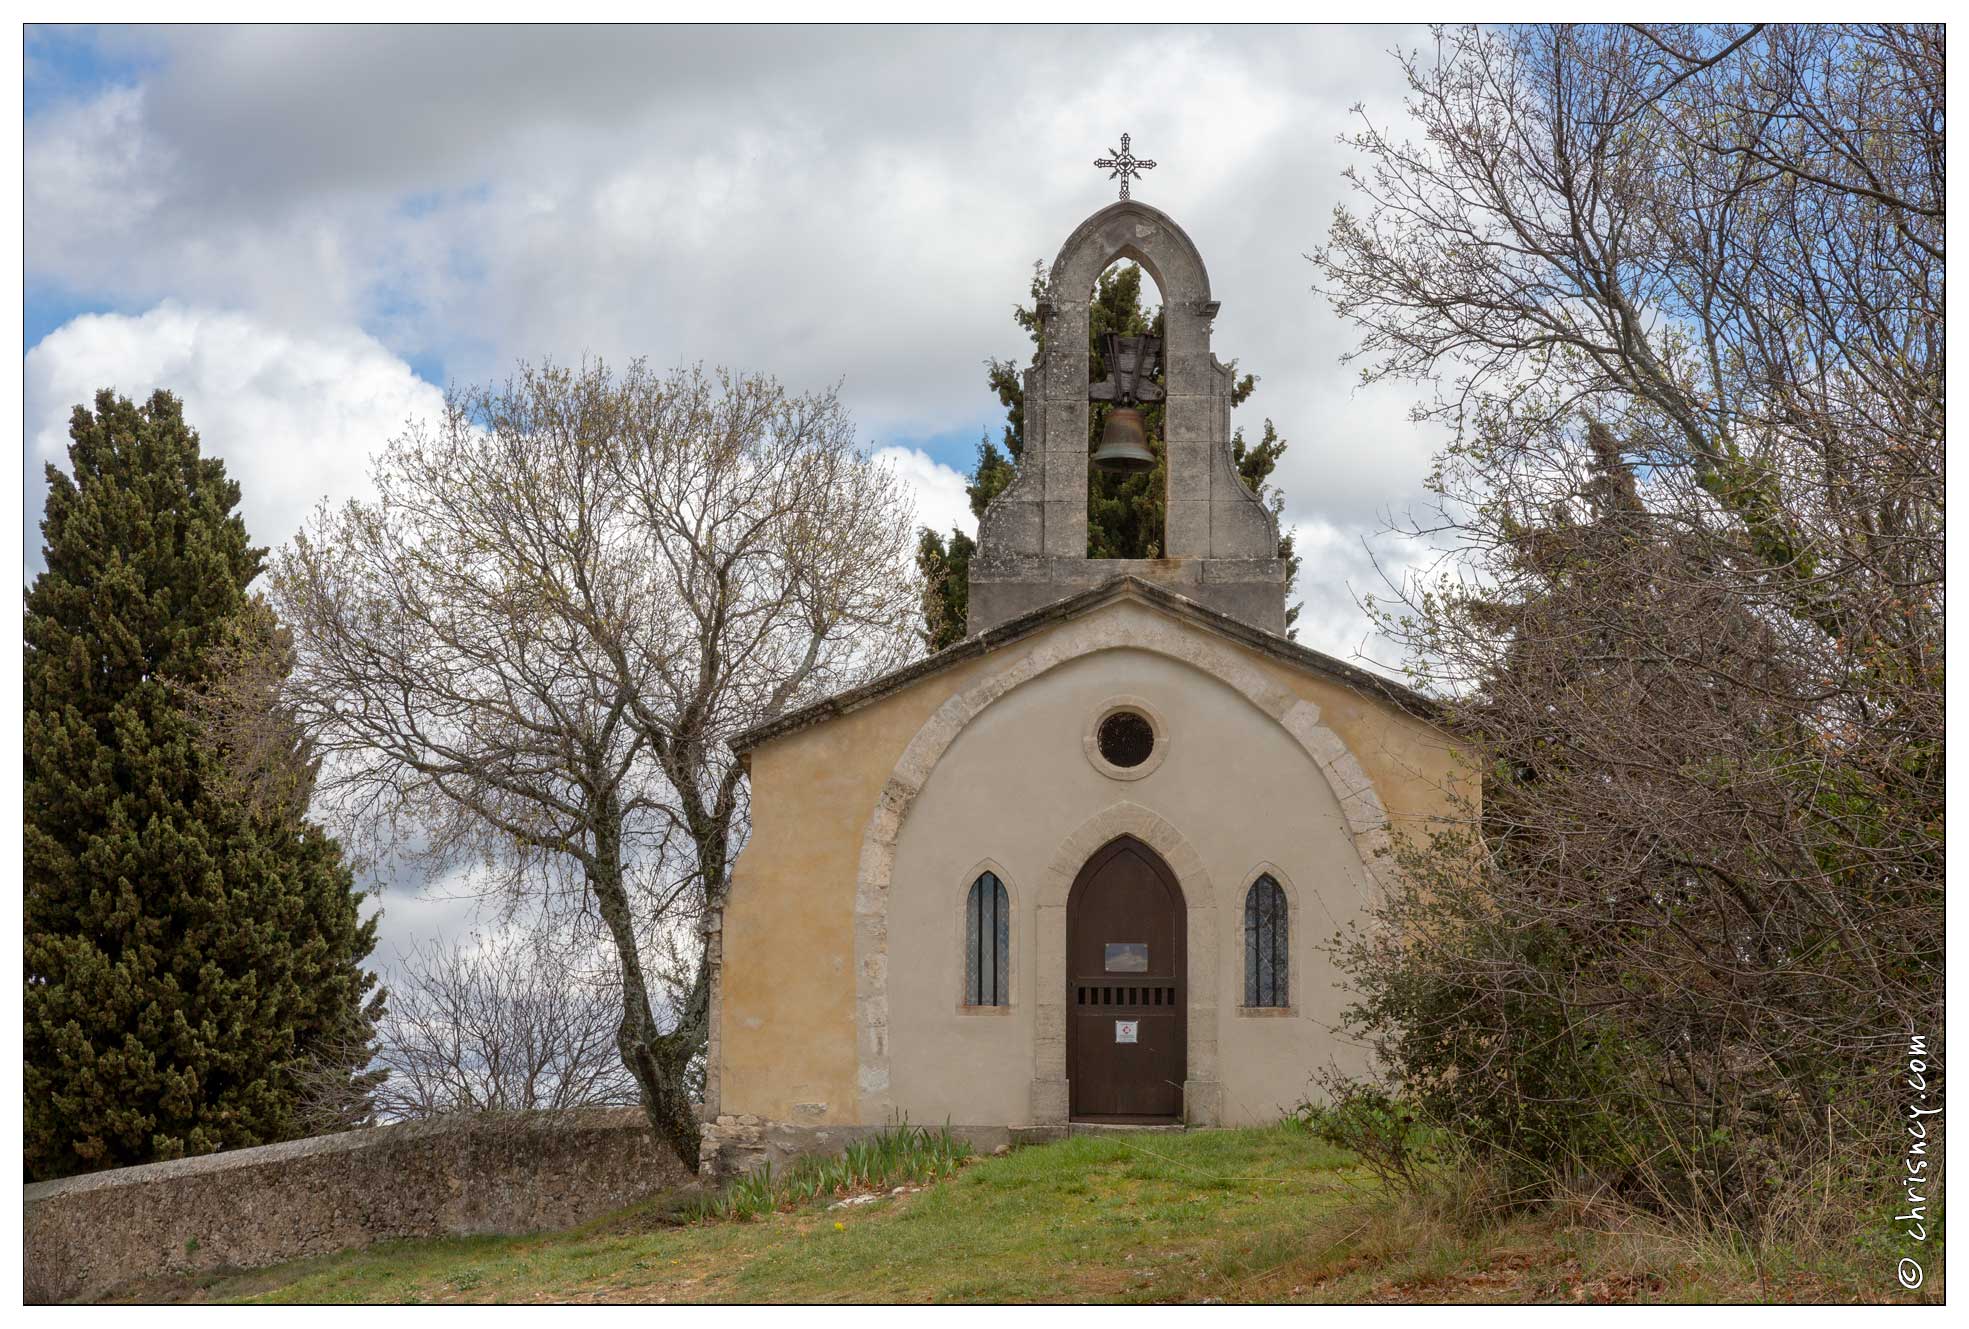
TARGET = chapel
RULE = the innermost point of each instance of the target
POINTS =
(1079, 866)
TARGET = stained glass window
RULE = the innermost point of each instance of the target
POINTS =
(1266, 938)
(987, 943)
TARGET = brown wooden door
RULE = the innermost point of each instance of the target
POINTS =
(1126, 988)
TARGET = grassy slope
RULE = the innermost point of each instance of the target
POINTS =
(1255, 1215)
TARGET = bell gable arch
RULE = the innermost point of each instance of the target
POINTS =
(1032, 541)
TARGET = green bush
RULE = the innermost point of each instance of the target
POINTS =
(1376, 1127)
(1510, 1045)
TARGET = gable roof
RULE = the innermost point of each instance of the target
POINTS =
(1126, 586)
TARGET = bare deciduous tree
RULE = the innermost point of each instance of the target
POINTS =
(524, 655)
(1727, 245)
(499, 1026)
(1681, 293)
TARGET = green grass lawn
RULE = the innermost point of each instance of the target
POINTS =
(1247, 1215)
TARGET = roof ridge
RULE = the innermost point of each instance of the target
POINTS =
(1003, 634)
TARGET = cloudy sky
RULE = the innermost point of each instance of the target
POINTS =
(307, 232)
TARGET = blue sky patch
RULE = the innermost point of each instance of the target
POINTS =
(955, 448)
(70, 63)
(45, 308)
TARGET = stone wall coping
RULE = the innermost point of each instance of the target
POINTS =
(1126, 586)
(229, 1160)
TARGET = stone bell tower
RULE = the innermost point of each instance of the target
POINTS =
(1221, 545)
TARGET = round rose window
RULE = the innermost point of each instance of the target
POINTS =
(1126, 739)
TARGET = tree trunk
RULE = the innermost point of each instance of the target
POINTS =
(710, 832)
(653, 1059)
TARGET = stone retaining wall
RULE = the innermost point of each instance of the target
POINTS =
(456, 1177)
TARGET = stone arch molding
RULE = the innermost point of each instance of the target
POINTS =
(1150, 237)
(1202, 1093)
(1365, 816)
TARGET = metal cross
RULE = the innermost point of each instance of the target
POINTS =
(1123, 164)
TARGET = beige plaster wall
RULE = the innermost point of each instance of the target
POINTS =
(1423, 783)
(1016, 783)
(786, 1033)
(1010, 789)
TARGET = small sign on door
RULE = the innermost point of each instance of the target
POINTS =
(1124, 1030)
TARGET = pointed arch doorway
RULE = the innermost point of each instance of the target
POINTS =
(1127, 987)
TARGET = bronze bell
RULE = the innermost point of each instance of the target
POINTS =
(1124, 443)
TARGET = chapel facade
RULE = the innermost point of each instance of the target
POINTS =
(1077, 867)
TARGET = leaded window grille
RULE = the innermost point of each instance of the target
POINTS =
(987, 943)
(1266, 942)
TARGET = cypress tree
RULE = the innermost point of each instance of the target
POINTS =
(191, 952)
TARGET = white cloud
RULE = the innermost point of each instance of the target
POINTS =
(844, 205)
(826, 204)
(95, 169)
(941, 502)
(418, 912)
(1344, 567)
(295, 416)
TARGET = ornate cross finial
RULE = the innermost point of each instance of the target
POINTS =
(1123, 164)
